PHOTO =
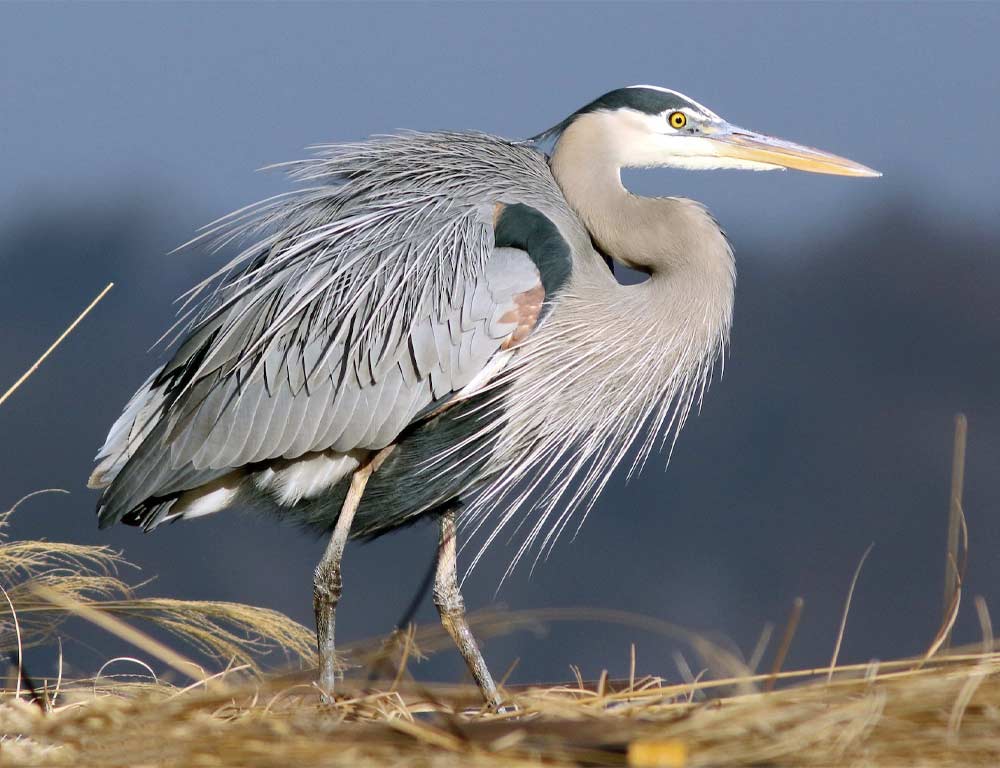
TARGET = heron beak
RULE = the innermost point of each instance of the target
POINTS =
(742, 144)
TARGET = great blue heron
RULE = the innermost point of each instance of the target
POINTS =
(431, 322)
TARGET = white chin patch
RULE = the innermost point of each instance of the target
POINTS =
(642, 144)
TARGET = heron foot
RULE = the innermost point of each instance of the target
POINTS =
(327, 582)
(326, 595)
(451, 607)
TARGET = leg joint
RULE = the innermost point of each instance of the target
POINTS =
(448, 599)
(327, 583)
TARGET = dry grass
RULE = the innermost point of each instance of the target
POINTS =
(46, 582)
(939, 710)
(943, 713)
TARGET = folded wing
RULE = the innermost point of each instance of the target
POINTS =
(363, 304)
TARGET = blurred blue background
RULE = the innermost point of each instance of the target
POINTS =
(867, 312)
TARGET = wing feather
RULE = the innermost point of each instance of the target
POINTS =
(254, 450)
(269, 447)
(389, 400)
(363, 301)
(355, 430)
(245, 415)
(319, 399)
(194, 422)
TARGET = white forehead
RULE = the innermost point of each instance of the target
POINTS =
(680, 95)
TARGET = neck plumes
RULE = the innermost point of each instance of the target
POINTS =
(611, 366)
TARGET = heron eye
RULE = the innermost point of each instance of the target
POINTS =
(677, 120)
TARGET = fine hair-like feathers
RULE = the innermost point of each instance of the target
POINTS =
(395, 300)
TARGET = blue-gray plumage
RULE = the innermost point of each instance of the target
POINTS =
(430, 321)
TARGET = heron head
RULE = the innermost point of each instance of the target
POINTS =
(648, 126)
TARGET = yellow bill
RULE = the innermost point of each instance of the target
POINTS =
(760, 148)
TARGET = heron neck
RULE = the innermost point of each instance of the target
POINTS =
(690, 290)
(670, 238)
(589, 175)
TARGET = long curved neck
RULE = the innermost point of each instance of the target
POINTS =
(662, 235)
(588, 170)
(675, 240)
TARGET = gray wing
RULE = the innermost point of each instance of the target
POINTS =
(372, 301)
(285, 409)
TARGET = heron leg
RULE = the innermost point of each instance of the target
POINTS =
(327, 583)
(451, 607)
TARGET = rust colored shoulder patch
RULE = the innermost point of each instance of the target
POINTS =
(527, 308)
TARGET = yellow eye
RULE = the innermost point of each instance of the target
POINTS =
(677, 120)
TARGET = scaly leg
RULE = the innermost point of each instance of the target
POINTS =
(451, 606)
(327, 584)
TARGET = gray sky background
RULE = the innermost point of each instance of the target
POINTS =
(866, 311)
